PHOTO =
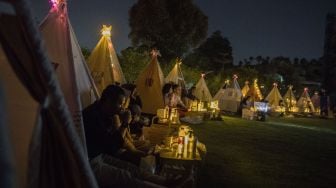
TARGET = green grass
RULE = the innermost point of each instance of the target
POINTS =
(288, 152)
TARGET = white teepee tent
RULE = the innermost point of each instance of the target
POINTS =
(274, 97)
(316, 102)
(104, 63)
(149, 85)
(229, 97)
(175, 75)
(245, 88)
(290, 100)
(71, 69)
(202, 92)
(44, 147)
(304, 103)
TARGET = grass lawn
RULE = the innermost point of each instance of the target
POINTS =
(287, 152)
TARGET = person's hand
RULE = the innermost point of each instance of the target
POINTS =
(116, 121)
(126, 117)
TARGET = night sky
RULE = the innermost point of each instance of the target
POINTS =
(291, 28)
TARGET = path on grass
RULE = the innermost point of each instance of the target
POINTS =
(302, 127)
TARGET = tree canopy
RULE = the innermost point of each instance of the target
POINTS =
(214, 54)
(172, 26)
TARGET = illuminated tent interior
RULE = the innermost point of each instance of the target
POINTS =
(103, 62)
(229, 97)
(149, 85)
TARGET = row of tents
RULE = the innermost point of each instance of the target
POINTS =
(104, 69)
(45, 82)
(231, 95)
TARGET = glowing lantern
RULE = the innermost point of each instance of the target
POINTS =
(193, 106)
(163, 115)
(214, 104)
(174, 116)
(106, 31)
(200, 107)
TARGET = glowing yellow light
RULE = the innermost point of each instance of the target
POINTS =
(106, 31)
(179, 61)
(214, 104)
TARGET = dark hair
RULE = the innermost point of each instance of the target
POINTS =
(135, 109)
(112, 92)
(175, 86)
(130, 87)
(166, 88)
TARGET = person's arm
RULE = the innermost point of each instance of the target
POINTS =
(179, 102)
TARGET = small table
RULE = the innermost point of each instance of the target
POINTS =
(170, 163)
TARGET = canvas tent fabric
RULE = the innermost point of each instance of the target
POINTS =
(6, 163)
(72, 72)
(202, 92)
(229, 97)
(65, 53)
(304, 103)
(254, 92)
(149, 85)
(175, 75)
(316, 100)
(290, 100)
(245, 88)
(103, 62)
(46, 148)
(274, 97)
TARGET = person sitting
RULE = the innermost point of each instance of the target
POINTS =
(134, 98)
(246, 103)
(104, 140)
(174, 100)
(136, 142)
(137, 123)
(191, 96)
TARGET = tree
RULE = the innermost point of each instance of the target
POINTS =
(218, 50)
(86, 52)
(133, 61)
(172, 26)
